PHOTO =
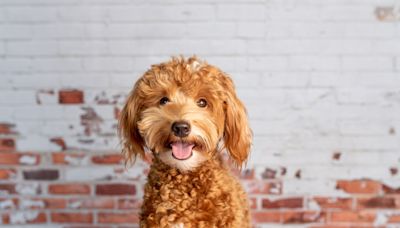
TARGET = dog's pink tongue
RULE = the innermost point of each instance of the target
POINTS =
(182, 150)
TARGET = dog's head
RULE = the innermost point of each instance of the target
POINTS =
(185, 111)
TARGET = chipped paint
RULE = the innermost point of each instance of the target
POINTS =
(91, 121)
(27, 203)
(28, 160)
(28, 188)
(7, 204)
(21, 217)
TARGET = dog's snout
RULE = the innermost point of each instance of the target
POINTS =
(181, 128)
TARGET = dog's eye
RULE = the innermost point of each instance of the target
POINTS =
(202, 103)
(164, 100)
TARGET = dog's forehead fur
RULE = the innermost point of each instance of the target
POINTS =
(191, 76)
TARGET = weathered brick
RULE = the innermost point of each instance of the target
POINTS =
(129, 204)
(70, 96)
(108, 159)
(7, 144)
(334, 203)
(298, 217)
(6, 174)
(69, 217)
(359, 186)
(283, 203)
(115, 189)
(42, 174)
(266, 216)
(376, 202)
(19, 159)
(72, 188)
(353, 216)
(116, 218)
(7, 188)
(25, 217)
(6, 128)
(101, 203)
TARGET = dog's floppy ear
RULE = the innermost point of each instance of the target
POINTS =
(132, 142)
(237, 133)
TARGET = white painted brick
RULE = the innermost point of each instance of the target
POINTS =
(228, 64)
(31, 48)
(135, 30)
(35, 81)
(92, 47)
(186, 47)
(56, 64)
(108, 64)
(348, 13)
(31, 14)
(367, 63)
(89, 173)
(58, 30)
(312, 63)
(291, 12)
(240, 12)
(15, 31)
(251, 29)
(192, 12)
(211, 30)
(85, 80)
(15, 64)
(83, 13)
(7, 114)
(286, 79)
(17, 97)
(125, 80)
(268, 63)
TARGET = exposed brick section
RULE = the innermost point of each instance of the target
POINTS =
(115, 218)
(334, 203)
(266, 216)
(353, 216)
(33, 218)
(282, 203)
(360, 186)
(108, 159)
(116, 189)
(72, 188)
(6, 128)
(7, 188)
(60, 142)
(71, 217)
(299, 217)
(101, 203)
(19, 159)
(6, 174)
(70, 96)
(129, 203)
(377, 202)
(7, 144)
(43, 174)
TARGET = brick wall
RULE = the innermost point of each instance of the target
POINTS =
(320, 79)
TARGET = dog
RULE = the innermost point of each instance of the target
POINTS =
(186, 113)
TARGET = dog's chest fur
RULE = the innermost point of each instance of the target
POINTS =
(207, 197)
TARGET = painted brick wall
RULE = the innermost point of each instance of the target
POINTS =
(320, 78)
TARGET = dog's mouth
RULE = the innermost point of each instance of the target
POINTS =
(182, 150)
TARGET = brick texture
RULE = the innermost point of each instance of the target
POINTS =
(320, 80)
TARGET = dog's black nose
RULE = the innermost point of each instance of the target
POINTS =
(181, 128)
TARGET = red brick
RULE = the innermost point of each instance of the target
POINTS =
(391, 190)
(66, 217)
(72, 188)
(7, 144)
(253, 203)
(60, 142)
(283, 203)
(261, 187)
(9, 188)
(5, 128)
(6, 174)
(116, 218)
(334, 203)
(129, 203)
(101, 203)
(41, 218)
(70, 96)
(376, 202)
(61, 158)
(266, 216)
(294, 217)
(359, 186)
(6, 205)
(394, 219)
(116, 189)
(353, 216)
(41, 174)
(108, 159)
(14, 158)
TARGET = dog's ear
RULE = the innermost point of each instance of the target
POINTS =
(237, 132)
(132, 142)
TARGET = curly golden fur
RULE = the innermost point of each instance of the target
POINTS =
(186, 113)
